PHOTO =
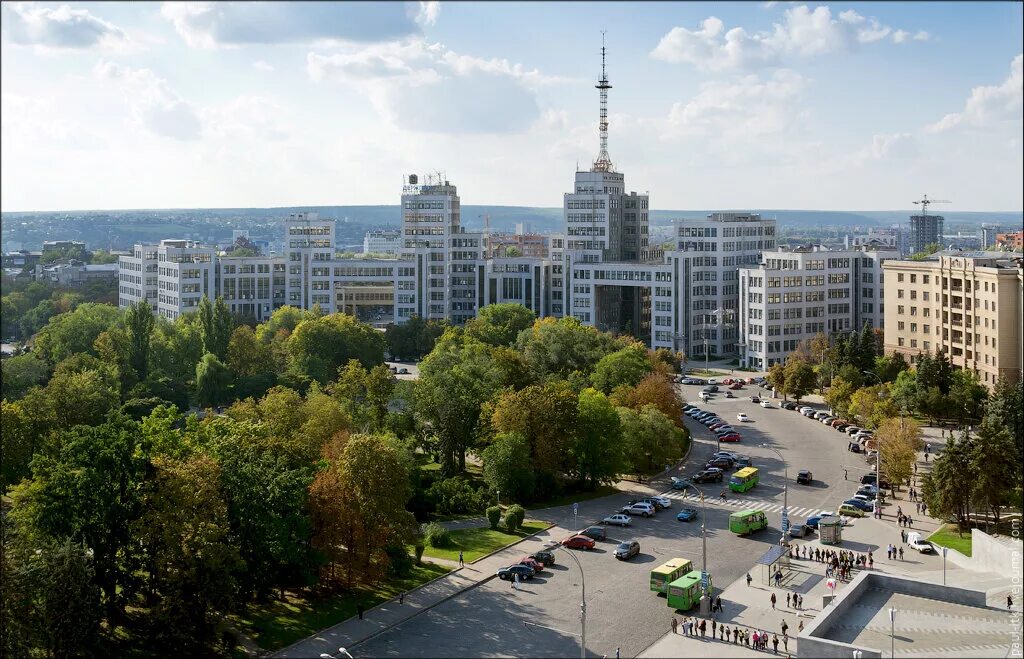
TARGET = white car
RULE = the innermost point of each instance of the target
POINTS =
(664, 502)
(765, 404)
(917, 542)
(642, 509)
(712, 381)
(742, 417)
(618, 520)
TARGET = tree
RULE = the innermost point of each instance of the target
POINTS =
(927, 251)
(413, 338)
(872, 405)
(246, 355)
(851, 374)
(889, 367)
(934, 404)
(657, 390)
(898, 441)
(81, 396)
(20, 373)
(175, 348)
(625, 367)
(799, 378)
(138, 322)
(319, 345)
(1006, 406)
(507, 467)
(212, 381)
(597, 449)
(840, 395)
(966, 395)
(89, 491)
(562, 346)
(945, 488)
(997, 478)
(282, 321)
(777, 377)
(514, 517)
(74, 332)
(500, 324)
(17, 443)
(905, 394)
(650, 439)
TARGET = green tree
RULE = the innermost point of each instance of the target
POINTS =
(905, 393)
(777, 377)
(282, 322)
(514, 517)
(623, 367)
(319, 345)
(597, 449)
(562, 346)
(20, 373)
(175, 348)
(74, 332)
(17, 443)
(944, 487)
(870, 406)
(997, 479)
(1006, 406)
(213, 381)
(500, 324)
(840, 395)
(507, 467)
(928, 250)
(966, 395)
(89, 491)
(934, 404)
(413, 338)
(898, 441)
(799, 378)
(81, 396)
(657, 390)
(248, 356)
(889, 367)
(138, 321)
(649, 439)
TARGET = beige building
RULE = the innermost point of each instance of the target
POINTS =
(967, 305)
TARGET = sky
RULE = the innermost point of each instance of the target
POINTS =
(760, 105)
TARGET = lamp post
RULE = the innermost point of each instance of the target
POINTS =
(705, 601)
(785, 493)
(583, 604)
(892, 632)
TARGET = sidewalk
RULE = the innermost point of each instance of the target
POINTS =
(352, 632)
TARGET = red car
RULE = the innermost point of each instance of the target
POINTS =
(731, 437)
(750, 380)
(578, 542)
(716, 426)
(736, 385)
(727, 381)
(532, 562)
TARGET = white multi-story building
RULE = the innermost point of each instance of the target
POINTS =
(382, 241)
(795, 294)
(309, 248)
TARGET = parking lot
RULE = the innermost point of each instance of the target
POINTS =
(621, 610)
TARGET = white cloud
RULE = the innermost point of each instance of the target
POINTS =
(154, 105)
(427, 87)
(896, 145)
(802, 32)
(61, 28)
(261, 65)
(428, 13)
(990, 106)
(209, 24)
(921, 35)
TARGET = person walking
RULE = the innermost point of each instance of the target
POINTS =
(784, 626)
(785, 643)
(515, 582)
(714, 628)
(703, 628)
(718, 603)
(359, 610)
(617, 653)
(910, 522)
(787, 600)
(461, 562)
(846, 475)
(800, 628)
(748, 580)
(675, 625)
(773, 601)
(775, 644)
(901, 553)
(401, 598)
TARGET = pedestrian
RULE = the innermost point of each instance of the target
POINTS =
(617, 651)
(721, 633)
(800, 627)
(714, 627)
(359, 610)
(910, 522)
(775, 644)
(748, 580)
(515, 582)
(871, 562)
(1009, 602)
(901, 553)
(461, 562)
(675, 624)
(773, 601)
(703, 628)
(785, 643)
(846, 475)
(903, 536)
(924, 508)
(746, 637)
(728, 633)
(787, 600)
(401, 597)
(718, 603)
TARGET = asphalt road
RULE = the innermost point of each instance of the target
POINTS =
(621, 610)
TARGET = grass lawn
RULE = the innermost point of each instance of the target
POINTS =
(701, 372)
(475, 543)
(947, 536)
(575, 497)
(275, 624)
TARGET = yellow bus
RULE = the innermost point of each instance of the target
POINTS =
(744, 479)
(663, 575)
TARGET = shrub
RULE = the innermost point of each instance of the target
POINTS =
(494, 516)
(436, 535)
(419, 548)
(401, 562)
(455, 496)
(514, 517)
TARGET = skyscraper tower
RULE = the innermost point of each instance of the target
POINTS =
(604, 161)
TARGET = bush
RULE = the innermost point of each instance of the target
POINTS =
(419, 548)
(401, 562)
(436, 535)
(455, 496)
(514, 517)
(494, 516)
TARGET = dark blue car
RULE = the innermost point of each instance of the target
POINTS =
(812, 522)
(861, 505)
(687, 515)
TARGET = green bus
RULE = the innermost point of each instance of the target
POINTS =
(744, 479)
(663, 575)
(746, 521)
(684, 593)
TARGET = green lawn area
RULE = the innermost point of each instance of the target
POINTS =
(475, 543)
(948, 536)
(575, 497)
(275, 624)
(701, 372)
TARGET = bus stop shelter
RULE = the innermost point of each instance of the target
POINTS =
(775, 558)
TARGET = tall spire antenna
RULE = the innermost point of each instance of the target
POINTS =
(604, 161)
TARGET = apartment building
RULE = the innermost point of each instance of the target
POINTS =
(965, 304)
(924, 230)
(795, 294)
(1013, 241)
(382, 241)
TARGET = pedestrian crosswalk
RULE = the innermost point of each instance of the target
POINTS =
(741, 503)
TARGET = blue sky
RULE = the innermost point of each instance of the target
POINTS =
(714, 105)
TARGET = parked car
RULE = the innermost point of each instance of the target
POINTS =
(687, 515)
(718, 424)
(799, 530)
(618, 520)
(915, 541)
(403, 371)
(730, 437)
(742, 417)
(809, 413)
(860, 504)
(725, 454)
(708, 476)
(545, 556)
(523, 571)
(679, 483)
(735, 385)
(818, 416)
(868, 490)
(724, 430)
(837, 422)
(536, 565)
(853, 430)
(751, 380)
(639, 509)
(579, 542)
(850, 510)
(755, 399)
(804, 477)
(828, 420)
(729, 394)
(657, 502)
(765, 404)
(719, 463)
(788, 406)
(712, 381)
(841, 427)
(595, 533)
(744, 461)
(854, 447)
(710, 389)
(627, 550)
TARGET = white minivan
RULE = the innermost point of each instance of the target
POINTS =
(915, 541)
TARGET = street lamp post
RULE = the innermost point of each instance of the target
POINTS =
(583, 604)
(785, 493)
(705, 601)
(892, 632)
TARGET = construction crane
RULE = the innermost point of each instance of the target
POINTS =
(925, 201)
